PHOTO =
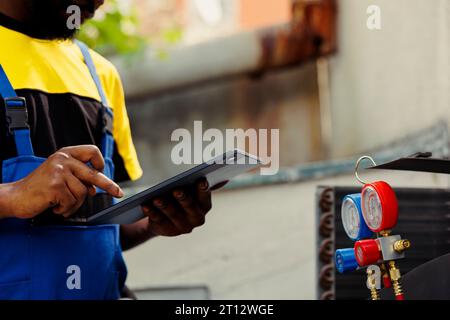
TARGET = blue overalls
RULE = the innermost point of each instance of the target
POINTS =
(56, 262)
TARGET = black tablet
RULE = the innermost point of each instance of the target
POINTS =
(216, 171)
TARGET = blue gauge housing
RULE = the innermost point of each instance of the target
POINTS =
(353, 202)
(345, 260)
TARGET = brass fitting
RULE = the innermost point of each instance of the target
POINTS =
(371, 281)
(385, 233)
(402, 245)
(374, 295)
(394, 273)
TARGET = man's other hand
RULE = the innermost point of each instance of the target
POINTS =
(180, 212)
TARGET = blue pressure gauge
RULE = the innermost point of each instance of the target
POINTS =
(352, 218)
(345, 260)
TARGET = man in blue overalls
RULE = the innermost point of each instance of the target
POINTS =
(62, 107)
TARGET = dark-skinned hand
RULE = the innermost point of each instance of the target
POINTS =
(180, 212)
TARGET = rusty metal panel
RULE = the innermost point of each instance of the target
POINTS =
(311, 34)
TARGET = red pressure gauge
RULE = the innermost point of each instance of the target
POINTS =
(379, 206)
(367, 252)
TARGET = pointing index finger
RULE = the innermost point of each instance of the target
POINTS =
(94, 177)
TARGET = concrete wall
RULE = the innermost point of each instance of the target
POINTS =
(387, 83)
(286, 99)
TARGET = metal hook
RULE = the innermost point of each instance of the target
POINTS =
(357, 167)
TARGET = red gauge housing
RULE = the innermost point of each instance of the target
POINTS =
(389, 205)
(367, 252)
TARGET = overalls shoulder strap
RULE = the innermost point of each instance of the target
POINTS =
(107, 146)
(93, 70)
(16, 116)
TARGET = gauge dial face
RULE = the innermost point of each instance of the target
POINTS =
(350, 218)
(371, 208)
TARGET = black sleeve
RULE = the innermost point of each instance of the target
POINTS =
(120, 173)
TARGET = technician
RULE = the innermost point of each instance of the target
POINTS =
(62, 107)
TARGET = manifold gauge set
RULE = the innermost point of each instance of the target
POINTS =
(368, 218)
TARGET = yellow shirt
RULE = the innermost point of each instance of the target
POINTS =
(63, 101)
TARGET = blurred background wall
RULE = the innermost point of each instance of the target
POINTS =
(211, 74)
(389, 82)
(380, 86)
